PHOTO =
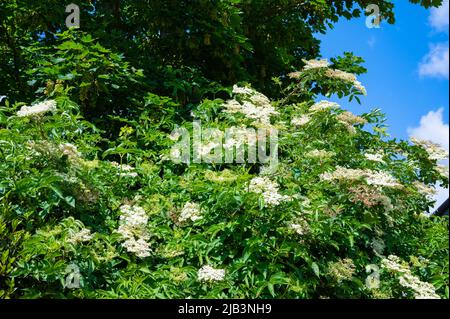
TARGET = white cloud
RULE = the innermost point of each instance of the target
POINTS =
(433, 128)
(439, 17)
(435, 63)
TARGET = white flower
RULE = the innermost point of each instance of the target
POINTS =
(381, 179)
(242, 90)
(425, 190)
(299, 121)
(342, 173)
(315, 64)
(209, 274)
(139, 247)
(394, 264)
(319, 154)
(360, 87)
(374, 157)
(82, 236)
(37, 109)
(125, 170)
(323, 105)
(133, 215)
(190, 211)
(268, 189)
(435, 151)
(350, 118)
(69, 150)
(347, 77)
(421, 290)
(300, 228)
(133, 228)
(255, 106)
(443, 170)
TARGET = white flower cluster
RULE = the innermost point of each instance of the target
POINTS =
(268, 189)
(347, 77)
(37, 109)
(133, 228)
(375, 157)
(315, 64)
(209, 274)
(255, 106)
(349, 119)
(421, 290)
(435, 151)
(323, 105)
(301, 120)
(443, 170)
(301, 228)
(82, 236)
(425, 190)
(342, 269)
(125, 170)
(377, 178)
(69, 150)
(342, 173)
(190, 211)
(321, 154)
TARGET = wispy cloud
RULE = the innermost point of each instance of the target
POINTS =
(435, 63)
(439, 17)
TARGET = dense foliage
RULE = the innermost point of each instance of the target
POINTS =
(89, 189)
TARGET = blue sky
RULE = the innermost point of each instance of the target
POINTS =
(393, 55)
(408, 70)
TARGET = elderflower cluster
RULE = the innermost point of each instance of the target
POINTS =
(125, 170)
(301, 120)
(255, 106)
(342, 269)
(342, 173)
(376, 178)
(348, 119)
(268, 189)
(435, 151)
(133, 228)
(315, 64)
(224, 176)
(347, 77)
(375, 157)
(70, 150)
(421, 290)
(190, 211)
(320, 154)
(442, 170)
(323, 105)
(209, 274)
(425, 190)
(300, 227)
(379, 178)
(79, 237)
(37, 109)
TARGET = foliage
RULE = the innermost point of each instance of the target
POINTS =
(86, 180)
